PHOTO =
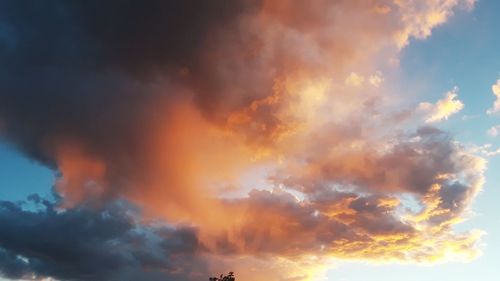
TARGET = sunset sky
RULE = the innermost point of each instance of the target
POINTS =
(287, 140)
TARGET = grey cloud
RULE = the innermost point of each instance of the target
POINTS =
(89, 244)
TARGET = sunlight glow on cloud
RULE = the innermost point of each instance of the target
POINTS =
(443, 108)
(420, 17)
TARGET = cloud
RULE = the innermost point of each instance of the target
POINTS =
(166, 103)
(358, 191)
(469, 117)
(421, 17)
(93, 244)
(354, 79)
(443, 108)
(486, 150)
(496, 92)
(376, 79)
(493, 131)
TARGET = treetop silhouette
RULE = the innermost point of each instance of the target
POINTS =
(229, 277)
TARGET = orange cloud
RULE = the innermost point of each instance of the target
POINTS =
(279, 99)
(83, 176)
(268, 89)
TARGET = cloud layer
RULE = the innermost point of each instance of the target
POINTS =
(248, 121)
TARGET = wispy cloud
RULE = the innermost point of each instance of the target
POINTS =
(485, 150)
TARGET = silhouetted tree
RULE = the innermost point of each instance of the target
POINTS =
(229, 277)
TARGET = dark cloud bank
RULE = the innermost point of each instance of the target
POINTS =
(93, 70)
(89, 244)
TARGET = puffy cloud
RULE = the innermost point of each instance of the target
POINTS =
(355, 79)
(443, 108)
(496, 92)
(376, 79)
(420, 17)
(493, 131)
(93, 244)
(167, 103)
(359, 190)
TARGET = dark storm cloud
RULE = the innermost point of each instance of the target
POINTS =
(125, 35)
(87, 244)
(153, 35)
(93, 70)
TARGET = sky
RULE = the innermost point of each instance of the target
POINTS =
(286, 140)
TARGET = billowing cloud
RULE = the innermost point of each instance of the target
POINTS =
(345, 183)
(235, 118)
(85, 244)
(443, 108)
(496, 92)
